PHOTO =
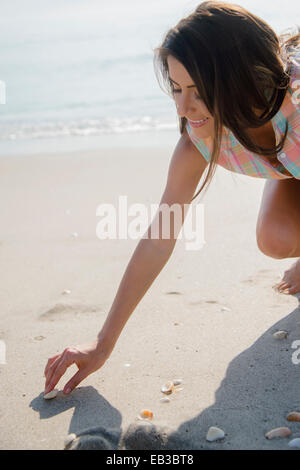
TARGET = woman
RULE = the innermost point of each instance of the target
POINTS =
(232, 83)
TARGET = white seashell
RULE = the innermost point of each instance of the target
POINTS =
(165, 400)
(278, 432)
(66, 291)
(51, 394)
(74, 234)
(295, 443)
(225, 309)
(69, 439)
(127, 364)
(280, 334)
(214, 433)
(177, 382)
(167, 388)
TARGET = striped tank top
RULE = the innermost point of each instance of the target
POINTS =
(235, 157)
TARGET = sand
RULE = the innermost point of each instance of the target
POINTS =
(236, 375)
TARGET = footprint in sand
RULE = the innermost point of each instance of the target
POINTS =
(60, 311)
(173, 292)
(261, 274)
(197, 302)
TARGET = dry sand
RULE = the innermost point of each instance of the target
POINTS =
(235, 374)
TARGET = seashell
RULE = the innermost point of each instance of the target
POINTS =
(165, 400)
(225, 309)
(74, 234)
(177, 382)
(69, 439)
(295, 443)
(51, 394)
(66, 291)
(146, 414)
(278, 432)
(280, 334)
(214, 434)
(178, 389)
(293, 416)
(167, 388)
(127, 364)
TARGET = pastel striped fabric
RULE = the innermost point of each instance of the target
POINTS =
(234, 157)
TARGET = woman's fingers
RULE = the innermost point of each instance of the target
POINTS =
(75, 380)
(59, 367)
(50, 361)
(87, 357)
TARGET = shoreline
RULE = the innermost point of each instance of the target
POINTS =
(74, 144)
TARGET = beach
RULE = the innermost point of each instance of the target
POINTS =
(208, 318)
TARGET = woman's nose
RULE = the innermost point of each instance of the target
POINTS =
(183, 106)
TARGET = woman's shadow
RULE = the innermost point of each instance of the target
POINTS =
(90, 410)
(261, 386)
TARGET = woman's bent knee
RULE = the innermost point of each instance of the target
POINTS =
(276, 244)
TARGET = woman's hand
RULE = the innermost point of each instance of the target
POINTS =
(87, 357)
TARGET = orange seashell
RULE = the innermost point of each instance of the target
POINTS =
(278, 432)
(146, 414)
(293, 416)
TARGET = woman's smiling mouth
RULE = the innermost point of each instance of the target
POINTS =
(198, 123)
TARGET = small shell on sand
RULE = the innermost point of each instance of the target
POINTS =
(225, 309)
(167, 388)
(177, 382)
(214, 433)
(280, 334)
(66, 291)
(178, 389)
(293, 416)
(69, 439)
(165, 400)
(278, 432)
(146, 414)
(295, 443)
(51, 394)
(74, 235)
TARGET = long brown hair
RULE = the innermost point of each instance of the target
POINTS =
(237, 63)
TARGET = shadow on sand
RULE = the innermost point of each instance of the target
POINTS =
(261, 386)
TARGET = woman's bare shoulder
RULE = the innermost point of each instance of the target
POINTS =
(189, 154)
(185, 171)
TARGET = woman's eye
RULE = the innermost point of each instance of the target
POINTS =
(178, 90)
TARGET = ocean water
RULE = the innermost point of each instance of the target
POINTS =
(79, 73)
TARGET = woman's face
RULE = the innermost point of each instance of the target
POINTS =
(188, 103)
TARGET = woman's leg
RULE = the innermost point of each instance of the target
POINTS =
(278, 228)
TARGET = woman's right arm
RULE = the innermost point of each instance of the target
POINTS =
(150, 256)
